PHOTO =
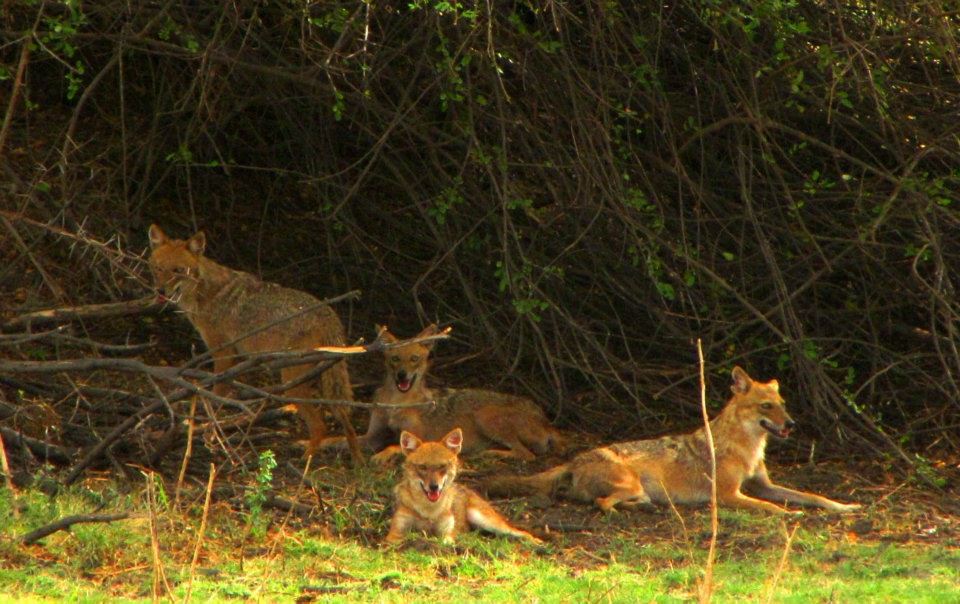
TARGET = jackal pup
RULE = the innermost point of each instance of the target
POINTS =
(487, 418)
(236, 313)
(428, 499)
(677, 468)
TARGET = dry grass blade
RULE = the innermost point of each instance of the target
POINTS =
(200, 532)
(707, 587)
(775, 580)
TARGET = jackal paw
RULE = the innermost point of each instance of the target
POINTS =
(309, 447)
(606, 505)
(533, 540)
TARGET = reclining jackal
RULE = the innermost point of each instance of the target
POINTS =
(677, 468)
(428, 499)
(502, 424)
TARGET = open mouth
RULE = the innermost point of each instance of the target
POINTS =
(431, 494)
(779, 432)
(405, 384)
(168, 295)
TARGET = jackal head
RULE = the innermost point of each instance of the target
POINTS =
(174, 262)
(759, 404)
(431, 466)
(407, 365)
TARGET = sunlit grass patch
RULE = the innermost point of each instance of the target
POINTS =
(337, 555)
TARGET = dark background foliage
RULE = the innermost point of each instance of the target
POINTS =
(582, 189)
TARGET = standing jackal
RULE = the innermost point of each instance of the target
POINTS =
(486, 418)
(236, 314)
(677, 468)
(429, 500)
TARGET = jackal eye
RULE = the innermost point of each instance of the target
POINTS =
(395, 359)
(415, 358)
(766, 406)
(432, 468)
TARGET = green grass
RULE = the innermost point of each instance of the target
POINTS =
(619, 561)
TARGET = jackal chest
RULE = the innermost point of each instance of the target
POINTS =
(437, 519)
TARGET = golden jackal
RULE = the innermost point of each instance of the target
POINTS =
(486, 418)
(428, 499)
(677, 468)
(236, 313)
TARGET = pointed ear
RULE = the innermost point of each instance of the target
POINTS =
(156, 235)
(454, 440)
(775, 385)
(741, 381)
(429, 330)
(197, 243)
(383, 333)
(409, 442)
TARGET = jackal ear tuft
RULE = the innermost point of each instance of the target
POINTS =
(409, 442)
(156, 235)
(383, 333)
(454, 440)
(197, 243)
(429, 330)
(741, 381)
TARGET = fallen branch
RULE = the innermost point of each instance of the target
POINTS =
(179, 375)
(89, 311)
(109, 439)
(40, 448)
(169, 374)
(68, 521)
(61, 334)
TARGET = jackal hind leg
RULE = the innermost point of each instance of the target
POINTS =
(501, 426)
(223, 359)
(627, 492)
(311, 414)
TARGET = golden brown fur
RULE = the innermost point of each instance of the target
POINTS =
(237, 314)
(487, 419)
(428, 499)
(677, 468)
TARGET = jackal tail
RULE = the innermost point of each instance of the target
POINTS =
(544, 483)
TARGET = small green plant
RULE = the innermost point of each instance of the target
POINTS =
(257, 495)
(339, 105)
(57, 39)
(182, 155)
(523, 285)
(449, 198)
(162, 499)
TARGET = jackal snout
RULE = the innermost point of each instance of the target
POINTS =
(781, 429)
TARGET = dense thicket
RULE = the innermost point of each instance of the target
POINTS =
(582, 189)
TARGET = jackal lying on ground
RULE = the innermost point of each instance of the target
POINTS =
(486, 418)
(677, 468)
(428, 499)
(236, 313)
